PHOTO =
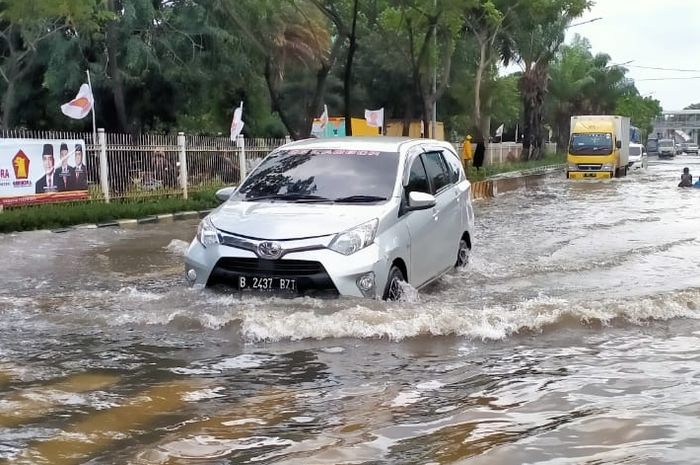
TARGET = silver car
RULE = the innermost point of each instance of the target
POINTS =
(344, 216)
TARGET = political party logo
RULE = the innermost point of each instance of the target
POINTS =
(20, 164)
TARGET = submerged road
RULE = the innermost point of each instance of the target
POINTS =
(573, 337)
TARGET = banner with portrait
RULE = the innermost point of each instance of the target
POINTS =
(42, 171)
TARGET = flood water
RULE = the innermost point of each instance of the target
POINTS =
(572, 338)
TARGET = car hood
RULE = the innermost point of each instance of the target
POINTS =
(287, 220)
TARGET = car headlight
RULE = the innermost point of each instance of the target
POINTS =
(573, 167)
(206, 233)
(357, 238)
(607, 167)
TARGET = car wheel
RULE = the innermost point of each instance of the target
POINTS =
(463, 255)
(394, 284)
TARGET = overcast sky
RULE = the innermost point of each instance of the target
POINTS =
(652, 33)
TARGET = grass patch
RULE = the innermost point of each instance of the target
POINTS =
(59, 215)
(487, 171)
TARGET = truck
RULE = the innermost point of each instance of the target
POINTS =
(598, 147)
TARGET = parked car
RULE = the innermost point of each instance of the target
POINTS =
(344, 216)
(690, 147)
(666, 148)
(638, 157)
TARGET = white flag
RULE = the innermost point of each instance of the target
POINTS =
(375, 118)
(237, 122)
(499, 131)
(80, 106)
(323, 120)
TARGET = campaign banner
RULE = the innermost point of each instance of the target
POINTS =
(42, 171)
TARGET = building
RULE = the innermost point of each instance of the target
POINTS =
(680, 125)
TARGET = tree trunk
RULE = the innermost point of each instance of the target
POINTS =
(477, 90)
(533, 86)
(484, 127)
(276, 100)
(407, 116)
(426, 118)
(8, 103)
(347, 78)
(113, 68)
(316, 105)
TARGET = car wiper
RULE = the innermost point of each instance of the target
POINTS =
(291, 198)
(360, 198)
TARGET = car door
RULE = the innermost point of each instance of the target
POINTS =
(447, 217)
(420, 225)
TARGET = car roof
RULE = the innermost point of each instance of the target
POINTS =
(379, 143)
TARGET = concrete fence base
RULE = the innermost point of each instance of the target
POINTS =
(492, 187)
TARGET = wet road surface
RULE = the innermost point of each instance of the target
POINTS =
(573, 337)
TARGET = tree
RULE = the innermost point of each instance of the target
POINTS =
(417, 27)
(487, 23)
(24, 27)
(583, 83)
(285, 36)
(538, 33)
(641, 110)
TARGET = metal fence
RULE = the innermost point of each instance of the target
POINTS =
(124, 167)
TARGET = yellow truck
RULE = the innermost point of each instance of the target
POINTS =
(598, 147)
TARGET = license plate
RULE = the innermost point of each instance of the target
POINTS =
(257, 283)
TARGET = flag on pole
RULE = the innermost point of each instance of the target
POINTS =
(499, 131)
(375, 118)
(237, 122)
(323, 119)
(80, 106)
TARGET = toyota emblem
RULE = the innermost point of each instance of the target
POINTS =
(270, 250)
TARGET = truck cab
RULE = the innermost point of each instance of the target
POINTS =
(598, 147)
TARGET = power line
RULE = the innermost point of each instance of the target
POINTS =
(669, 79)
(666, 69)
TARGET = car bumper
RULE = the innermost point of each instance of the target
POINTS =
(589, 174)
(316, 272)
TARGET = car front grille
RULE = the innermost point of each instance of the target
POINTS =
(311, 277)
(589, 167)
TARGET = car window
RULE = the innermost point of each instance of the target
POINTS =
(454, 166)
(437, 171)
(328, 173)
(417, 179)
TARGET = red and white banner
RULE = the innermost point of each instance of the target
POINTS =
(375, 118)
(80, 106)
(237, 122)
(40, 171)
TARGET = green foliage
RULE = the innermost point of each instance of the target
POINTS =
(70, 214)
(491, 170)
(641, 110)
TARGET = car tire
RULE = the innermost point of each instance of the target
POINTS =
(463, 254)
(394, 284)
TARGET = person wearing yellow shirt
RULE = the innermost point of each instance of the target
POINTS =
(467, 153)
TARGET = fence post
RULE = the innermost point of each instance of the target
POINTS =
(182, 150)
(104, 169)
(287, 139)
(241, 157)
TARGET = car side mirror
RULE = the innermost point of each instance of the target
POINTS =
(222, 195)
(618, 144)
(420, 201)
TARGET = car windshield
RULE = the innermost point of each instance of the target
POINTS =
(318, 175)
(591, 144)
(635, 151)
(665, 143)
